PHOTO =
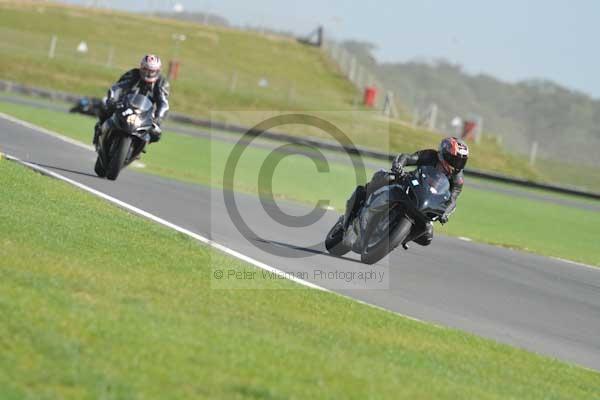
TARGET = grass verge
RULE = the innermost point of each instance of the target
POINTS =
(99, 303)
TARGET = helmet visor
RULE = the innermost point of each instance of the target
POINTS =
(457, 162)
(150, 75)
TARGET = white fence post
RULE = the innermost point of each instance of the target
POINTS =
(343, 56)
(533, 153)
(352, 72)
(433, 116)
(52, 49)
(479, 130)
(334, 52)
(389, 106)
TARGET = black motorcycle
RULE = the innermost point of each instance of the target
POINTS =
(393, 215)
(124, 135)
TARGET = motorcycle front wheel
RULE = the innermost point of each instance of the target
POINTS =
(118, 157)
(334, 240)
(387, 240)
(99, 168)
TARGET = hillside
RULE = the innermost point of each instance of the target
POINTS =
(220, 68)
(565, 123)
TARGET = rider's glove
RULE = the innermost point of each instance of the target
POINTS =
(110, 104)
(396, 167)
(444, 219)
(114, 105)
(155, 132)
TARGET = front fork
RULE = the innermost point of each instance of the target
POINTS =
(418, 230)
(353, 205)
(139, 144)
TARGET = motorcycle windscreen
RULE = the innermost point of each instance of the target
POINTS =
(432, 189)
(435, 180)
(139, 102)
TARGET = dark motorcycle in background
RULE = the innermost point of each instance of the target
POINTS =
(89, 106)
(392, 215)
(124, 135)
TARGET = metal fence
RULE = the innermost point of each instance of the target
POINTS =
(360, 76)
(424, 115)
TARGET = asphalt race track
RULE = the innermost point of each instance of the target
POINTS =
(541, 304)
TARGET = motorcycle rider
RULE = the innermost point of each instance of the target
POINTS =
(145, 80)
(450, 158)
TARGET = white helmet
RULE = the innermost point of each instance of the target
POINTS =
(150, 68)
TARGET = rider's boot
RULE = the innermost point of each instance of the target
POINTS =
(422, 236)
(96, 133)
(353, 204)
(426, 237)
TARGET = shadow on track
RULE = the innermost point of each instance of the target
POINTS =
(306, 249)
(65, 169)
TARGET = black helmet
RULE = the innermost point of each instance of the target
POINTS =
(453, 154)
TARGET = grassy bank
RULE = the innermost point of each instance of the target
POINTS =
(482, 215)
(107, 305)
(220, 72)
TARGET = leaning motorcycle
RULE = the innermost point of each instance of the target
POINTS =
(124, 135)
(394, 214)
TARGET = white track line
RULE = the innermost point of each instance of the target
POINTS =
(576, 263)
(166, 223)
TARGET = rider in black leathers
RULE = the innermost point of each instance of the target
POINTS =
(451, 159)
(145, 80)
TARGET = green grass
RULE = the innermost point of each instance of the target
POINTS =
(98, 303)
(580, 176)
(576, 199)
(542, 228)
(481, 215)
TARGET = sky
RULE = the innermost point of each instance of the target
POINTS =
(512, 40)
